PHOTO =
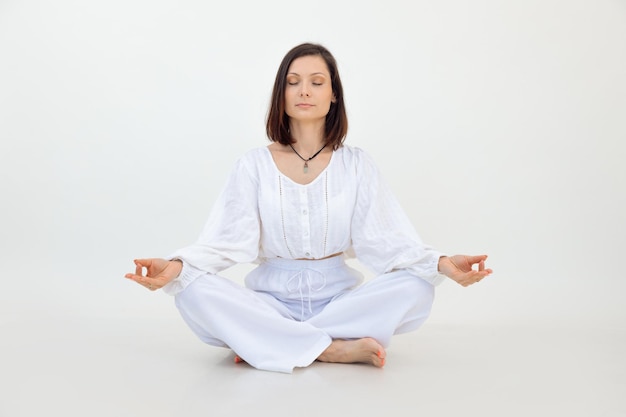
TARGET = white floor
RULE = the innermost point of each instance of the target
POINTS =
(120, 361)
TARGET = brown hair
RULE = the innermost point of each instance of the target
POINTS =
(336, 126)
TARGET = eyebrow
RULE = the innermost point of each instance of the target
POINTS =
(314, 73)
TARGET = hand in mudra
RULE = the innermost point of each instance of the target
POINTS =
(460, 268)
(158, 272)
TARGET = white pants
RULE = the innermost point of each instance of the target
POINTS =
(290, 311)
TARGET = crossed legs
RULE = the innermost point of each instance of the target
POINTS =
(353, 328)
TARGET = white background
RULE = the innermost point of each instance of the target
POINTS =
(499, 124)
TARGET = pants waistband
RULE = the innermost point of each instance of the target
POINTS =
(296, 264)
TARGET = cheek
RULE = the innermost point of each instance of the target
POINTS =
(329, 94)
(289, 94)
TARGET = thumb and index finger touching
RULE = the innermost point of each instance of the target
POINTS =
(480, 260)
(481, 271)
(138, 275)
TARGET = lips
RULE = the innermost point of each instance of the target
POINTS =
(304, 105)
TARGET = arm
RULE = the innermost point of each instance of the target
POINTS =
(231, 235)
(384, 238)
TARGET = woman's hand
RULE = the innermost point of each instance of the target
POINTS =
(158, 272)
(459, 268)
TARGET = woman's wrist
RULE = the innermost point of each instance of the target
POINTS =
(441, 259)
(178, 265)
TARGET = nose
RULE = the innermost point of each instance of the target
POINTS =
(304, 91)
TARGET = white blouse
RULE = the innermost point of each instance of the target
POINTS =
(262, 214)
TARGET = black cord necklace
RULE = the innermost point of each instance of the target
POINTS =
(306, 161)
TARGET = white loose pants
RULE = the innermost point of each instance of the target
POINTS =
(290, 311)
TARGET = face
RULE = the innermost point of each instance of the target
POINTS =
(308, 90)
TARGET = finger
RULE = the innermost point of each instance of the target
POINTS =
(473, 277)
(133, 277)
(482, 275)
(138, 269)
(481, 265)
(143, 262)
(147, 282)
(476, 259)
(137, 278)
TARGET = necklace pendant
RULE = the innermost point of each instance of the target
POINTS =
(306, 161)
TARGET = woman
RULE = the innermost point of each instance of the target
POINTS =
(298, 208)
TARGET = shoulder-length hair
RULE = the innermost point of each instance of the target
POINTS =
(336, 126)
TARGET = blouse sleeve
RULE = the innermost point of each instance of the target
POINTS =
(231, 235)
(383, 237)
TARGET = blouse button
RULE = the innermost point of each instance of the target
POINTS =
(304, 211)
(307, 254)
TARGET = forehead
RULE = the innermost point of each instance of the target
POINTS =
(310, 64)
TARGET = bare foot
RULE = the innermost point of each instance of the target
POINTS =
(365, 350)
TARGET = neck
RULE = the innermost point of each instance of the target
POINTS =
(309, 137)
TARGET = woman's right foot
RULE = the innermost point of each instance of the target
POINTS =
(366, 350)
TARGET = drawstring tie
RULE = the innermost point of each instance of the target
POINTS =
(312, 279)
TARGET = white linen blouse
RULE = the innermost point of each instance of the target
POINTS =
(348, 208)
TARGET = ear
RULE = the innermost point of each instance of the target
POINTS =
(334, 99)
